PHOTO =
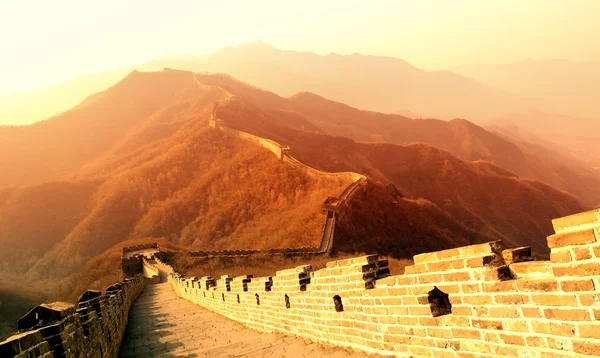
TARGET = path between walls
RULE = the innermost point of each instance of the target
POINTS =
(164, 324)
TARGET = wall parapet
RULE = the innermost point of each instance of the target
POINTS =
(93, 328)
(482, 300)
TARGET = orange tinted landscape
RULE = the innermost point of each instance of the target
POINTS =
(166, 145)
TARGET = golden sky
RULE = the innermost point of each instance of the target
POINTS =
(47, 42)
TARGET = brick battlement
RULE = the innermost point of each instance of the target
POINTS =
(93, 328)
(482, 300)
(127, 249)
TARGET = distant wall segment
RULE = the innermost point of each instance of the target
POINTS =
(483, 300)
(331, 205)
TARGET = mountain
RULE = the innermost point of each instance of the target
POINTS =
(34, 106)
(378, 83)
(57, 147)
(170, 176)
(569, 135)
(458, 136)
(490, 200)
(559, 86)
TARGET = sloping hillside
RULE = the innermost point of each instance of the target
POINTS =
(459, 137)
(483, 197)
(56, 148)
(165, 174)
(558, 85)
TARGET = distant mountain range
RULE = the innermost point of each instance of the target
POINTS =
(383, 84)
(558, 86)
(526, 96)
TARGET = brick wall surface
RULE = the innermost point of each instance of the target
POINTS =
(483, 300)
(93, 328)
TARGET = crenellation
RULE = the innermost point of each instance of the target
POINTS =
(483, 300)
(94, 329)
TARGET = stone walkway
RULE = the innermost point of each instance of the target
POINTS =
(161, 324)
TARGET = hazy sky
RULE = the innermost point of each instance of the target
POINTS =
(46, 42)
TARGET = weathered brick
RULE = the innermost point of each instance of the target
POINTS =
(477, 299)
(513, 298)
(439, 332)
(470, 287)
(474, 346)
(424, 258)
(520, 254)
(531, 269)
(565, 314)
(503, 286)
(504, 312)
(512, 339)
(462, 310)
(577, 285)
(487, 324)
(589, 331)
(571, 238)
(501, 273)
(449, 288)
(575, 220)
(506, 351)
(415, 269)
(446, 254)
(536, 341)
(516, 325)
(582, 269)
(537, 285)
(456, 277)
(467, 333)
(582, 253)
(561, 256)
(484, 260)
(429, 278)
(589, 299)
(586, 347)
(560, 343)
(438, 266)
(554, 299)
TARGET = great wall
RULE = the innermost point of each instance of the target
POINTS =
(483, 300)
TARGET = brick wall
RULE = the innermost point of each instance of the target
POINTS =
(93, 328)
(477, 301)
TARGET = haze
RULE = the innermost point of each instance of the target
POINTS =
(46, 43)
